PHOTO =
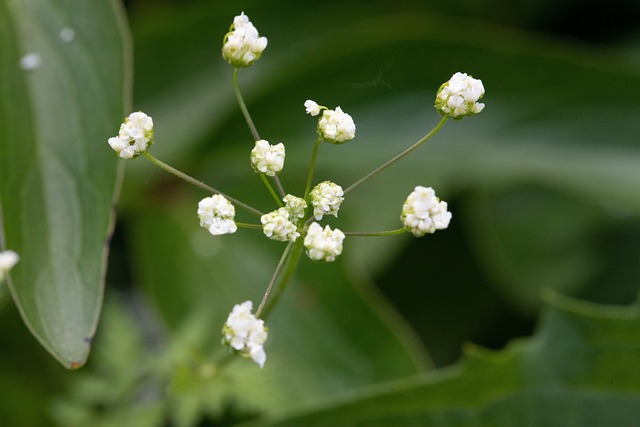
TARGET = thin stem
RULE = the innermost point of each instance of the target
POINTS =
(399, 156)
(289, 269)
(271, 190)
(312, 166)
(243, 107)
(274, 278)
(197, 183)
(279, 186)
(251, 226)
(375, 233)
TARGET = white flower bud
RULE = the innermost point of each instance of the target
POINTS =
(295, 205)
(277, 226)
(267, 158)
(245, 333)
(423, 212)
(336, 126)
(242, 45)
(312, 107)
(326, 199)
(216, 214)
(8, 259)
(323, 244)
(135, 136)
(459, 97)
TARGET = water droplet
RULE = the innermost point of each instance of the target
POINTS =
(67, 35)
(30, 61)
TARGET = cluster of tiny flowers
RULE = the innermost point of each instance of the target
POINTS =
(8, 259)
(323, 244)
(277, 226)
(267, 158)
(459, 97)
(135, 136)
(326, 199)
(245, 333)
(295, 205)
(216, 214)
(242, 45)
(335, 126)
(423, 212)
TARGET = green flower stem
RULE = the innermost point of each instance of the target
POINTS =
(312, 166)
(375, 233)
(271, 190)
(399, 156)
(283, 260)
(243, 107)
(197, 183)
(289, 262)
(251, 226)
(279, 186)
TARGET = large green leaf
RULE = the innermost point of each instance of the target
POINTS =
(579, 369)
(57, 176)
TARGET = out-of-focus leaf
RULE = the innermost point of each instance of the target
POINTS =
(120, 385)
(64, 79)
(579, 369)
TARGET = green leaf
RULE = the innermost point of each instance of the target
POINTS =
(579, 369)
(58, 178)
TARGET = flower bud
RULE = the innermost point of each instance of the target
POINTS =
(242, 45)
(423, 212)
(135, 136)
(459, 97)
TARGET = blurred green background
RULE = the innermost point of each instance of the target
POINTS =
(544, 187)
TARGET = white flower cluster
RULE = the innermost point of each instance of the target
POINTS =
(423, 212)
(135, 136)
(242, 45)
(216, 214)
(8, 259)
(245, 333)
(323, 244)
(459, 97)
(326, 199)
(267, 158)
(277, 226)
(295, 205)
(335, 126)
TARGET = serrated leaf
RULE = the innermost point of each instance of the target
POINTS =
(64, 78)
(579, 369)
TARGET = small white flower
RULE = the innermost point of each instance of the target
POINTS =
(295, 205)
(326, 199)
(216, 214)
(423, 212)
(459, 97)
(8, 259)
(336, 126)
(323, 244)
(312, 107)
(245, 333)
(267, 158)
(242, 45)
(135, 136)
(277, 226)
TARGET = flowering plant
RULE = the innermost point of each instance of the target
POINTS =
(295, 218)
